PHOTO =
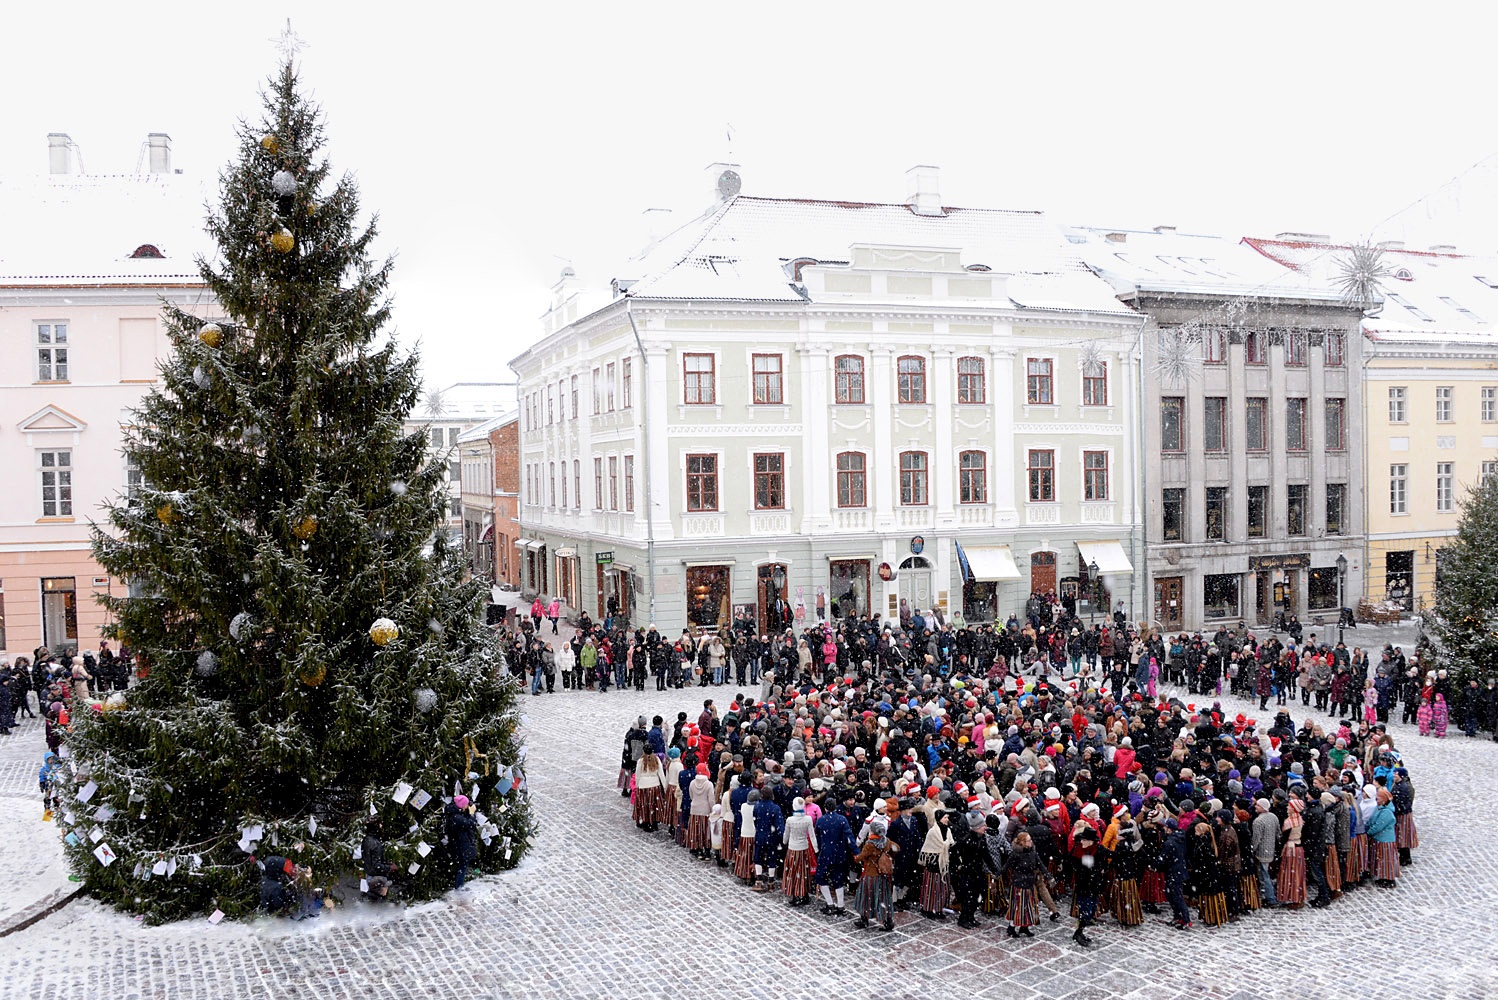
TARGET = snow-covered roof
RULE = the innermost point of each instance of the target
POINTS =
(1429, 296)
(740, 250)
(480, 432)
(65, 229)
(1191, 264)
(466, 402)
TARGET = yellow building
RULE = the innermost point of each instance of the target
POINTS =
(1430, 404)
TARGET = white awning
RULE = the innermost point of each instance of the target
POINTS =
(991, 563)
(536, 543)
(1109, 557)
(566, 553)
(521, 543)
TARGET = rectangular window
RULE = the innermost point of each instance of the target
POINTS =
(550, 413)
(613, 482)
(972, 477)
(851, 484)
(1042, 470)
(629, 483)
(1215, 347)
(970, 387)
(562, 500)
(702, 482)
(699, 384)
(1295, 423)
(1094, 475)
(577, 483)
(1336, 507)
(1256, 423)
(597, 392)
(1335, 349)
(598, 483)
(1489, 470)
(608, 391)
(574, 397)
(767, 378)
(56, 476)
(848, 380)
(134, 480)
(1489, 403)
(437, 439)
(1095, 385)
(551, 484)
(1396, 404)
(1445, 483)
(1398, 485)
(912, 478)
(51, 352)
(1220, 595)
(769, 482)
(1321, 589)
(1258, 511)
(1295, 509)
(1215, 422)
(626, 380)
(911, 381)
(1038, 387)
(1172, 423)
(1253, 348)
(1444, 394)
(1336, 424)
(1217, 513)
(1173, 514)
(1295, 348)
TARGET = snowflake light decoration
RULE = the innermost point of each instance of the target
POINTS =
(1177, 357)
(1361, 272)
(1093, 365)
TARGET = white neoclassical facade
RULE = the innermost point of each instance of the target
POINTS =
(793, 408)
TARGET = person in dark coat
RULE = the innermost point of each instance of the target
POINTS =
(970, 866)
(462, 837)
(906, 834)
(277, 893)
(378, 872)
(1172, 862)
(769, 832)
(835, 855)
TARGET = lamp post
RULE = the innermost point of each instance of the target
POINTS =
(1341, 596)
(1092, 593)
(777, 584)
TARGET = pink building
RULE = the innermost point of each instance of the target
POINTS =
(85, 261)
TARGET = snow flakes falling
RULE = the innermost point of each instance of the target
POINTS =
(208, 662)
(426, 699)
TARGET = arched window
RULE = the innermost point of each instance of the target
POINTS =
(852, 486)
(913, 467)
(972, 477)
(848, 379)
(912, 379)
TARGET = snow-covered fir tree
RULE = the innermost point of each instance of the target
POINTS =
(1465, 618)
(313, 653)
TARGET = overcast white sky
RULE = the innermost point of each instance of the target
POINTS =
(502, 141)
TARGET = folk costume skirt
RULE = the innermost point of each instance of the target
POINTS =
(1291, 885)
(796, 878)
(1024, 907)
(650, 803)
(1357, 859)
(1405, 836)
(936, 892)
(1153, 890)
(874, 896)
(1248, 887)
(1127, 908)
(699, 833)
(743, 859)
(1214, 909)
(1386, 861)
(1333, 870)
(730, 841)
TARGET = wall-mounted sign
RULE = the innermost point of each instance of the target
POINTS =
(886, 572)
(917, 545)
(604, 557)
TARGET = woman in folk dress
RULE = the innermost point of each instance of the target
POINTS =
(876, 883)
(800, 840)
(699, 815)
(1024, 871)
(650, 793)
(935, 887)
(1291, 885)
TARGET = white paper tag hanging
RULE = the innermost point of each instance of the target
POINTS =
(420, 799)
(402, 793)
(104, 854)
(215, 916)
(87, 791)
(423, 848)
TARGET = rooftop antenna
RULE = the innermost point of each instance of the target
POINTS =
(728, 128)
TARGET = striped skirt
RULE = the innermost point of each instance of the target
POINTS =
(1333, 871)
(1248, 887)
(1024, 907)
(649, 804)
(796, 878)
(1386, 861)
(936, 892)
(1214, 909)
(743, 860)
(873, 896)
(1126, 906)
(1290, 887)
(730, 842)
(1405, 836)
(699, 833)
(1357, 859)
(997, 896)
(1153, 890)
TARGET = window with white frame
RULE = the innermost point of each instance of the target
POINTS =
(1397, 399)
(1489, 403)
(1445, 483)
(629, 483)
(1489, 470)
(848, 379)
(1095, 384)
(613, 482)
(597, 482)
(1444, 395)
(134, 480)
(626, 379)
(972, 477)
(698, 383)
(970, 382)
(56, 479)
(1215, 347)
(769, 373)
(1094, 475)
(52, 352)
(577, 484)
(1398, 488)
(608, 387)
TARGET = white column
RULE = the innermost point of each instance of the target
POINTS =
(1315, 520)
(816, 469)
(944, 460)
(1006, 473)
(883, 463)
(662, 474)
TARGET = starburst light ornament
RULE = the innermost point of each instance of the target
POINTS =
(1176, 358)
(1361, 272)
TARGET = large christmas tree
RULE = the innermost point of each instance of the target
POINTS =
(314, 656)
(1465, 619)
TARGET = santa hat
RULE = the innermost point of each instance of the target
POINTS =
(972, 801)
(1120, 810)
(1052, 805)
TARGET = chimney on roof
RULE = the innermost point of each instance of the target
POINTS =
(1302, 238)
(59, 153)
(1117, 237)
(1391, 245)
(1165, 230)
(1443, 248)
(159, 145)
(923, 190)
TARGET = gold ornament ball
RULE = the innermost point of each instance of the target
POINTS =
(312, 207)
(283, 241)
(270, 144)
(383, 631)
(165, 514)
(306, 527)
(314, 676)
(211, 334)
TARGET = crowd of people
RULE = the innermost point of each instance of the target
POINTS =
(56, 681)
(1001, 769)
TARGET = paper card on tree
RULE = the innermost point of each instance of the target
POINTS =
(67, 818)
(171, 867)
(473, 793)
(358, 853)
(402, 793)
(159, 868)
(87, 791)
(63, 753)
(507, 854)
(104, 813)
(414, 868)
(215, 916)
(312, 826)
(95, 835)
(104, 854)
(420, 799)
(423, 848)
(72, 839)
(364, 885)
(414, 828)
(255, 832)
(140, 868)
(372, 810)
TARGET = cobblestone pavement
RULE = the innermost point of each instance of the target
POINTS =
(602, 910)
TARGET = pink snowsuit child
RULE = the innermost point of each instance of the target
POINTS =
(1370, 704)
(1154, 677)
(1438, 716)
(1422, 717)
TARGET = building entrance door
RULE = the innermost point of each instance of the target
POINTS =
(1168, 602)
(1263, 599)
(1043, 572)
(59, 613)
(915, 583)
(774, 604)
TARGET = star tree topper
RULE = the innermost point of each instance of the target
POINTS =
(288, 43)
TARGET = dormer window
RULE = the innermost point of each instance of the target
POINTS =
(147, 251)
(1404, 274)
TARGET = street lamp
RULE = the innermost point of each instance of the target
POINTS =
(777, 582)
(1341, 596)
(1092, 593)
